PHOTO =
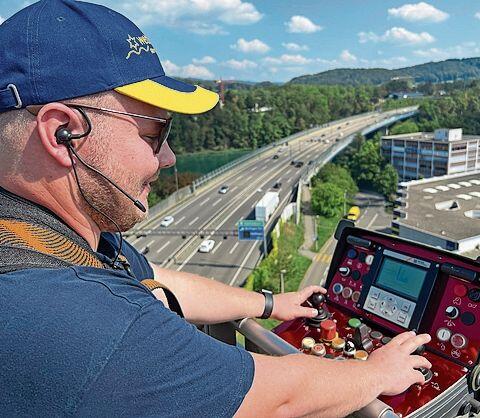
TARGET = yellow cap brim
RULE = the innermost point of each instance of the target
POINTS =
(148, 91)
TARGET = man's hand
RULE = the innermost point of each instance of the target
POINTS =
(396, 366)
(287, 306)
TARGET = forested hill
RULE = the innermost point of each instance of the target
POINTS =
(432, 72)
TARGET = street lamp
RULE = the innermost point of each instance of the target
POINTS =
(282, 281)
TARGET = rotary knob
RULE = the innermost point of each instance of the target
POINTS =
(328, 330)
(344, 271)
(452, 312)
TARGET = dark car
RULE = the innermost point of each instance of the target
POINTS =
(277, 185)
(275, 157)
(146, 250)
(299, 164)
(310, 162)
(293, 162)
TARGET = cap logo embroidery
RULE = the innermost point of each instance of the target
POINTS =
(139, 44)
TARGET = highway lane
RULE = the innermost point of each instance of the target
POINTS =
(230, 255)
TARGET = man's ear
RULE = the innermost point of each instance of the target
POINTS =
(50, 119)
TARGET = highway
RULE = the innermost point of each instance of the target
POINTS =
(231, 261)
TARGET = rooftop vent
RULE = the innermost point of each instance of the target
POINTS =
(475, 181)
(465, 183)
(474, 214)
(454, 186)
(464, 196)
(430, 190)
(447, 205)
(442, 188)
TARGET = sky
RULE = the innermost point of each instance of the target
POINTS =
(276, 40)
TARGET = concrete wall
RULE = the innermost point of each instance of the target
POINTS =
(468, 244)
(422, 237)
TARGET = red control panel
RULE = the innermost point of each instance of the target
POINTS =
(379, 286)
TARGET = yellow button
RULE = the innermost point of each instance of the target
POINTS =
(338, 343)
(361, 355)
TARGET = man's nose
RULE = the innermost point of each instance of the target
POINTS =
(166, 156)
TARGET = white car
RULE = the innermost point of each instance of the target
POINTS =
(223, 189)
(206, 246)
(168, 220)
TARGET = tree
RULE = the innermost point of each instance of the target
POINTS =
(366, 164)
(386, 183)
(327, 199)
(340, 176)
(405, 127)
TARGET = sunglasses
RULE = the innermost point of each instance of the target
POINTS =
(156, 141)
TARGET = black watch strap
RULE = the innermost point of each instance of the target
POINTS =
(268, 304)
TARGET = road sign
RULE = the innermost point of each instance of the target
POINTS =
(250, 230)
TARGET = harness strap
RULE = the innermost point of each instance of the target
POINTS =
(34, 239)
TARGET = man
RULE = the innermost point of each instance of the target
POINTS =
(84, 117)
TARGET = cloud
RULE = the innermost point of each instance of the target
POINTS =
(255, 46)
(301, 24)
(187, 71)
(347, 56)
(397, 35)
(477, 15)
(205, 60)
(464, 50)
(419, 12)
(291, 46)
(198, 16)
(287, 59)
(241, 65)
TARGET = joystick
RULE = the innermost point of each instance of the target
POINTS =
(317, 300)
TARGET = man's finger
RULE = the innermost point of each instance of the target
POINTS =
(401, 338)
(310, 290)
(308, 312)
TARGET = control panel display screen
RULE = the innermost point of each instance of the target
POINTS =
(401, 278)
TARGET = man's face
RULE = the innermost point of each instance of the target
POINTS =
(116, 148)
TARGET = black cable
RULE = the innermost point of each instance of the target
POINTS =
(70, 151)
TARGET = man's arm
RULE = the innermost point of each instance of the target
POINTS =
(299, 385)
(206, 301)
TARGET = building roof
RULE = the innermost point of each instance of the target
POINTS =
(428, 136)
(446, 206)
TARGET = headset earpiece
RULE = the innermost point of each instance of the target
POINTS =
(63, 135)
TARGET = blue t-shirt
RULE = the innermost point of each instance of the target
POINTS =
(91, 342)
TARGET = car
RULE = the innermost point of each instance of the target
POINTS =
(206, 246)
(293, 162)
(168, 220)
(323, 135)
(299, 164)
(275, 157)
(146, 250)
(223, 189)
(277, 185)
(141, 235)
(311, 162)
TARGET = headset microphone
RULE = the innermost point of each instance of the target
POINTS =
(64, 136)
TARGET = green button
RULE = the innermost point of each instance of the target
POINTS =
(354, 322)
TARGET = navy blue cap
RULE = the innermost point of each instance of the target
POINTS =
(62, 49)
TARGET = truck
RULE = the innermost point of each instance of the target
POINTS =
(354, 213)
(266, 206)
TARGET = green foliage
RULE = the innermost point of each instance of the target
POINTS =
(366, 164)
(386, 183)
(283, 257)
(338, 175)
(404, 127)
(432, 72)
(327, 199)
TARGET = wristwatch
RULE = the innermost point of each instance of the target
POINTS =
(268, 304)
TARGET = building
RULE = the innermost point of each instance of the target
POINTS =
(422, 155)
(441, 211)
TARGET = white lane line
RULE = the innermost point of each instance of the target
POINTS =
(233, 248)
(180, 220)
(192, 222)
(254, 245)
(239, 177)
(372, 221)
(234, 188)
(205, 201)
(248, 178)
(217, 247)
(253, 168)
(217, 202)
(255, 204)
(288, 171)
(135, 241)
(162, 247)
(150, 243)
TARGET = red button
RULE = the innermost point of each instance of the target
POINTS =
(460, 290)
(328, 330)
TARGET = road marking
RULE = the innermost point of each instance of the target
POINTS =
(253, 168)
(205, 201)
(239, 177)
(288, 171)
(150, 243)
(217, 247)
(135, 241)
(372, 221)
(233, 248)
(217, 202)
(248, 178)
(192, 222)
(162, 247)
(234, 188)
(243, 264)
(180, 220)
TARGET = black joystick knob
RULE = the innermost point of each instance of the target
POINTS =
(317, 299)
